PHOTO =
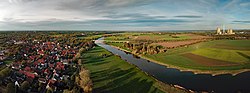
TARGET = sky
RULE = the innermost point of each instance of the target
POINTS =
(124, 15)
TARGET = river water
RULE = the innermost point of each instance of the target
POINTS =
(225, 83)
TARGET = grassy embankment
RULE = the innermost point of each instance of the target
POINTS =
(113, 75)
(231, 51)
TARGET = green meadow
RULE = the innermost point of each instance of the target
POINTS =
(110, 74)
(236, 51)
(224, 54)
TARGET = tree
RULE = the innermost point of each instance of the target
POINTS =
(5, 72)
(24, 86)
(85, 81)
(49, 90)
(10, 88)
(79, 62)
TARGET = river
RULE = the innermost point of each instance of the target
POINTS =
(225, 83)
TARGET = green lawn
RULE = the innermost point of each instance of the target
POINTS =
(224, 54)
(233, 44)
(113, 75)
(8, 61)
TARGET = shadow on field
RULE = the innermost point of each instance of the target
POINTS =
(120, 81)
(93, 60)
(111, 75)
(244, 55)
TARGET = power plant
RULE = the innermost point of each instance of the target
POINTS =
(224, 32)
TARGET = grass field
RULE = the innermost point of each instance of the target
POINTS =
(210, 56)
(207, 49)
(233, 44)
(8, 61)
(113, 75)
(224, 54)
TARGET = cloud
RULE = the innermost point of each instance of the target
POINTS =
(188, 16)
(133, 16)
(141, 21)
(122, 14)
(237, 21)
(245, 4)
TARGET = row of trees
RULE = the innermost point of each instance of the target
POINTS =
(82, 81)
(143, 48)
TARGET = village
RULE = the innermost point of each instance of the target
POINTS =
(41, 66)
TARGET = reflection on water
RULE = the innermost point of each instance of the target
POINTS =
(199, 82)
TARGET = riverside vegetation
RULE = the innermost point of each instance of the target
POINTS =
(198, 52)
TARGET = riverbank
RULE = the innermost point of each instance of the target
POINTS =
(195, 71)
(112, 74)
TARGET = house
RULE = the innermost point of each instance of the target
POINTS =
(42, 61)
(40, 52)
(27, 74)
(42, 80)
(28, 69)
(30, 75)
(32, 57)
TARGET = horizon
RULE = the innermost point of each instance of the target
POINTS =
(121, 15)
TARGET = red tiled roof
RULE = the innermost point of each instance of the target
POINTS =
(51, 65)
(59, 66)
(35, 63)
(20, 71)
(41, 60)
(40, 52)
(27, 69)
(28, 74)
(32, 57)
(59, 63)
(49, 43)
(46, 70)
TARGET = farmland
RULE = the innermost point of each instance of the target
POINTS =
(111, 74)
(194, 52)
(154, 36)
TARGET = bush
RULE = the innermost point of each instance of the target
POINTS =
(84, 80)
(10, 88)
(24, 86)
(5, 72)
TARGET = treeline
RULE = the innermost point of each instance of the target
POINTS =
(232, 37)
(81, 82)
(144, 48)
(81, 78)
